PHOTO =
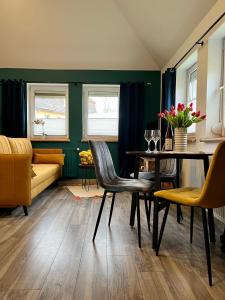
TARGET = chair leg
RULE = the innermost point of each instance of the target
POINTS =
(111, 208)
(162, 227)
(25, 210)
(138, 219)
(207, 249)
(132, 210)
(99, 214)
(147, 211)
(179, 213)
(191, 224)
(211, 226)
(155, 224)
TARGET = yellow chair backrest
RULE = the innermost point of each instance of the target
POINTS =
(213, 192)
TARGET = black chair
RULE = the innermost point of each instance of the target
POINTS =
(108, 179)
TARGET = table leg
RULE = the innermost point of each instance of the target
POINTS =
(211, 223)
(179, 211)
(155, 210)
(133, 201)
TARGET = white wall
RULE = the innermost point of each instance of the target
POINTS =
(69, 34)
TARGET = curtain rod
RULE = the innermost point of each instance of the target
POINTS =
(77, 82)
(199, 41)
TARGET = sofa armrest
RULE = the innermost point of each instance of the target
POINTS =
(15, 179)
(47, 151)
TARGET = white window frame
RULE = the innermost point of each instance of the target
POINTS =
(48, 88)
(189, 71)
(222, 93)
(86, 88)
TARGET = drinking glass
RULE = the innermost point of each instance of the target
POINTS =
(155, 134)
(148, 138)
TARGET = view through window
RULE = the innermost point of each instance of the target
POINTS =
(48, 110)
(100, 111)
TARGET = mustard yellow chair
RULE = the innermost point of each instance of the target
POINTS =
(210, 196)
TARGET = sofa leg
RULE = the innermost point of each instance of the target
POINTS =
(25, 210)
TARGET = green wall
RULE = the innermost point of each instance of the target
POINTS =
(152, 103)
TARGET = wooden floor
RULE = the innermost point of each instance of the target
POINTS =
(50, 254)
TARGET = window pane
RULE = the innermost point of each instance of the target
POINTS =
(51, 109)
(192, 128)
(103, 114)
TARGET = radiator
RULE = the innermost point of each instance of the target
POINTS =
(219, 213)
(70, 168)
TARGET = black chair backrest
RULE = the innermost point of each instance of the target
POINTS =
(104, 168)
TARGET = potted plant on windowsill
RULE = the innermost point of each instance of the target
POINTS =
(180, 120)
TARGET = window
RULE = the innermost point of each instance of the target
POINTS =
(192, 92)
(48, 111)
(186, 85)
(100, 112)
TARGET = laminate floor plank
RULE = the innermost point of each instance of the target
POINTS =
(61, 280)
(123, 282)
(20, 295)
(91, 283)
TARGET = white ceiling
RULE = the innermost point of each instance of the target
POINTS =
(163, 25)
(95, 34)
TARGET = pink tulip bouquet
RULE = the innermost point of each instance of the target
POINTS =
(183, 117)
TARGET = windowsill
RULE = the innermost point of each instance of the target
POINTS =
(111, 139)
(49, 139)
(212, 140)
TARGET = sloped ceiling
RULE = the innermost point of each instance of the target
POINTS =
(163, 25)
(95, 34)
(69, 34)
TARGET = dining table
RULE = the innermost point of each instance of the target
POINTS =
(158, 206)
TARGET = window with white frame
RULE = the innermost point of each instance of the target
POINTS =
(48, 111)
(100, 111)
(192, 92)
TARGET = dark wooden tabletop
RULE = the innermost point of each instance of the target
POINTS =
(171, 154)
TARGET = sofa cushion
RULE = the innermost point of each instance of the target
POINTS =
(47, 150)
(4, 145)
(20, 146)
(49, 159)
(43, 172)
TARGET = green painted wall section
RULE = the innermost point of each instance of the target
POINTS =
(152, 103)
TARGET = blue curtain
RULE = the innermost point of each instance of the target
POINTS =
(168, 96)
(131, 113)
(14, 108)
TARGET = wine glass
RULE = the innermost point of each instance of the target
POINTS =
(148, 138)
(156, 134)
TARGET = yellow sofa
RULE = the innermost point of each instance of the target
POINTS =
(17, 186)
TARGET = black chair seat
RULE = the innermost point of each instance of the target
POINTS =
(129, 185)
(151, 176)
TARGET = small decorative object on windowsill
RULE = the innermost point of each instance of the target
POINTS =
(42, 123)
(180, 120)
